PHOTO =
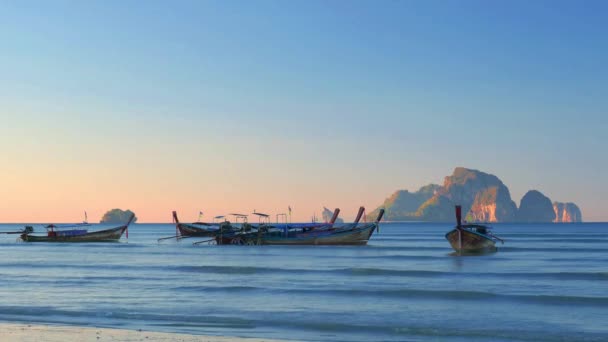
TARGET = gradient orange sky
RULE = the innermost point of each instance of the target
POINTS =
(172, 106)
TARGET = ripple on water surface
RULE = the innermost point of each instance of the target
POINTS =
(547, 283)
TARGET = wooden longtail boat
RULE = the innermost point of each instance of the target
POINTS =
(243, 234)
(471, 238)
(203, 229)
(194, 229)
(304, 234)
(303, 228)
(351, 234)
(78, 234)
(248, 234)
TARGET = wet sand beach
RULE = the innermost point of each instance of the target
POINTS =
(52, 333)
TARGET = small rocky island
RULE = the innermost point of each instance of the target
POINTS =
(567, 212)
(535, 207)
(117, 216)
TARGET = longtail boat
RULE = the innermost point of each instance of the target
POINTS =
(196, 228)
(471, 238)
(250, 234)
(243, 234)
(316, 227)
(77, 233)
(301, 234)
(350, 234)
(203, 229)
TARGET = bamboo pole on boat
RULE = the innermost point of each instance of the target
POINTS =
(496, 237)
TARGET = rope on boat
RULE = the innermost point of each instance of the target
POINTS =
(496, 237)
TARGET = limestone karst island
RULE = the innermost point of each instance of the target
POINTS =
(484, 198)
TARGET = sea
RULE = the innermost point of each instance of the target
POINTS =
(548, 282)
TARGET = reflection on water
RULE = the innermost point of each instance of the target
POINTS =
(466, 254)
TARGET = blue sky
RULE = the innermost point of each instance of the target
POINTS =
(269, 103)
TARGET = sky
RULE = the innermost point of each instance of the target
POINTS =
(224, 106)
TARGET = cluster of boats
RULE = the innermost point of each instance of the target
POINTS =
(464, 238)
(266, 233)
(227, 233)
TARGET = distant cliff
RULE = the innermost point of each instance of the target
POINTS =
(535, 207)
(483, 197)
(402, 204)
(567, 212)
(328, 214)
(117, 216)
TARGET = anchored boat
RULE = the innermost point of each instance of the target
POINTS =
(196, 228)
(76, 233)
(249, 234)
(471, 238)
(301, 234)
(350, 234)
(203, 229)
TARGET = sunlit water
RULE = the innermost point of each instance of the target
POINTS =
(547, 283)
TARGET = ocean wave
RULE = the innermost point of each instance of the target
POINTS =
(569, 249)
(461, 295)
(212, 289)
(46, 314)
(410, 248)
(404, 293)
(346, 271)
(518, 275)
(336, 329)
(563, 240)
(542, 236)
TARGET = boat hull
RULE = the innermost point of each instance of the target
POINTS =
(356, 236)
(189, 230)
(108, 235)
(470, 242)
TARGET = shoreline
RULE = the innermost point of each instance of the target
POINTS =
(20, 332)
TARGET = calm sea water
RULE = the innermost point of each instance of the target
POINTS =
(547, 283)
